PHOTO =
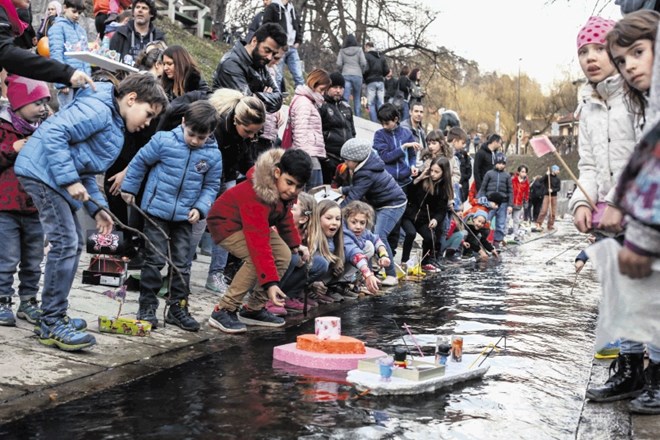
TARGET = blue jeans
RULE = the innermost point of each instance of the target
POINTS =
(195, 238)
(64, 233)
(219, 255)
(316, 179)
(375, 98)
(405, 112)
(292, 61)
(296, 278)
(23, 242)
(386, 221)
(353, 87)
(500, 226)
(632, 347)
(151, 280)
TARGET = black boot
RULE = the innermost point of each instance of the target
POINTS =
(649, 401)
(627, 381)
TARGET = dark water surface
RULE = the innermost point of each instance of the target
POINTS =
(534, 389)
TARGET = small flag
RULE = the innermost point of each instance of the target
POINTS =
(542, 145)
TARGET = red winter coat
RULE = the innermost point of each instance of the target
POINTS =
(520, 191)
(12, 195)
(254, 206)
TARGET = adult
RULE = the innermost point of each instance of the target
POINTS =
(374, 78)
(403, 93)
(391, 87)
(129, 40)
(337, 123)
(103, 8)
(181, 73)
(414, 123)
(53, 10)
(283, 13)
(448, 120)
(257, 20)
(305, 120)
(416, 90)
(352, 63)
(484, 159)
(244, 67)
(25, 63)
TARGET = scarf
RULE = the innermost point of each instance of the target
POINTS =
(21, 125)
(16, 24)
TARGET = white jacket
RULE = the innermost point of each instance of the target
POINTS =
(606, 140)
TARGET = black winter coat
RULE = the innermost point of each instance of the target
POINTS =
(126, 40)
(275, 13)
(422, 204)
(483, 162)
(465, 165)
(376, 67)
(337, 123)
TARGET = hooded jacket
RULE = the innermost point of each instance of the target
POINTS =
(483, 162)
(377, 67)
(372, 184)
(607, 140)
(520, 191)
(76, 144)
(351, 59)
(337, 123)
(254, 207)
(497, 181)
(66, 35)
(277, 13)
(14, 198)
(126, 40)
(354, 247)
(397, 160)
(179, 179)
(306, 125)
(236, 71)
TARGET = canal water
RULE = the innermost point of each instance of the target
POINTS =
(534, 388)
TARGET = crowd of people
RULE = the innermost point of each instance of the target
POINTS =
(316, 216)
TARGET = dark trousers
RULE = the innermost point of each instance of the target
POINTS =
(429, 239)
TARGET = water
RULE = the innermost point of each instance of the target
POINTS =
(534, 389)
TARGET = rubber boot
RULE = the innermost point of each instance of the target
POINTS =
(649, 401)
(626, 382)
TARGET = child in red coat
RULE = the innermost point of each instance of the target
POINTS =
(520, 199)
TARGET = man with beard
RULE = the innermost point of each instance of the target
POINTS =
(138, 32)
(244, 67)
(414, 123)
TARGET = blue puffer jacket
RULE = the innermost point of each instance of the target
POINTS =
(75, 144)
(64, 36)
(180, 178)
(374, 185)
(397, 159)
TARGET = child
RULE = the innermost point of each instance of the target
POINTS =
(476, 235)
(57, 168)
(372, 184)
(253, 221)
(428, 199)
(498, 180)
(20, 230)
(326, 238)
(183, 169)
(520, 186)
(536, 190)
(551, 187)
(360, 244)
(396, 146)
(457, 138)
(66, 35)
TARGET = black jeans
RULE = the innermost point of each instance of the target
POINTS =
(430, 243)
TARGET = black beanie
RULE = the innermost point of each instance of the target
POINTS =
(337, 79)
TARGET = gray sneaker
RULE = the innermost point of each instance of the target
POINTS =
(216, 282)
(30, 311)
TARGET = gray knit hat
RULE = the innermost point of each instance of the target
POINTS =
(356, 149)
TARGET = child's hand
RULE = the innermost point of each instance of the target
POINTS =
(276, 295)
(303, 251)
(80, 78)
(633, 264)
(128, 198)
(433, 223)
(384, 262)
(371, 283)
(495, 253)
(414, 171)
(78, 192)
(19, 144)
(117, 180)
(104, 222)
(612, 218)
(193, 216)
(483, 255)
(319, 287)
(582, 219)
(466, 245)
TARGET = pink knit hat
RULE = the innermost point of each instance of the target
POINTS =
(594, 31)
(22, 91)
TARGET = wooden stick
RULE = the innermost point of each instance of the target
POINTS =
(575, 179)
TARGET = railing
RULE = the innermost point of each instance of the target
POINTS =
(179, 10)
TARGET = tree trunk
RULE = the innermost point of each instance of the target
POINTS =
(218, 12)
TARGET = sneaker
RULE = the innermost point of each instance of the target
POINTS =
(226, 321)
(276, 310)
(30, 311)
(78, 324)
(610, 351)
(321, 298)
(260, 317)
(147, 312)
(6, 313)
(293, 304)
(216, 282)
(430, 268)
(336, 296)
(63, 336)
(179, 315)
(390, 281)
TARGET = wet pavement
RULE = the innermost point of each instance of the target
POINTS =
(210, 385)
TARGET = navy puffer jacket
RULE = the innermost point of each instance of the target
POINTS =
(374, 185)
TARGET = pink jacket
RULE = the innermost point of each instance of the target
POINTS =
(306, 121)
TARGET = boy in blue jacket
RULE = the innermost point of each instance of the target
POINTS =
(184, 168)
(57, 168)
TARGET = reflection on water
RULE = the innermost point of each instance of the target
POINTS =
(533, 389)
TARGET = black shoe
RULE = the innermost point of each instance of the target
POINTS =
(179, 315)
(147, 313)
(137, 262)
(649, 401)
(259, 317)
(226, 321)
(627, 380)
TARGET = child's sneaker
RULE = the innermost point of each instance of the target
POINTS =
(179, 315)
(215, 282)
(390, 281)
(260, 317)
(276, 310)
(63, 336)
(226, 321)
(30, 311)
(322, 298)
(292, 304)
(610, 351)
(430, 268)
(147, 312)
(6, 313)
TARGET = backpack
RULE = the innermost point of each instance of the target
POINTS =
(416, 91)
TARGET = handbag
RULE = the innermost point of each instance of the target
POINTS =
(287, 136)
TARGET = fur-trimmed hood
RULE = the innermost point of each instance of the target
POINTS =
(262, 176)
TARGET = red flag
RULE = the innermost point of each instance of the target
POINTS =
(542, 145)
